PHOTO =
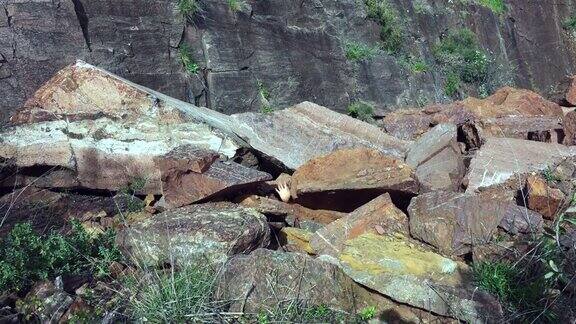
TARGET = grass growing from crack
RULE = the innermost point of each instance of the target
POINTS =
(187, 8)
(236, 5)
(358, 51)
(391, 30)
(496, 6)
(187, 61)
(361, 110)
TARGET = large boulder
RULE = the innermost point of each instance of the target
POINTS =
(437, 158)
(454, 222)
(198, 233)
(509, 112)
(305, 131)
(378, 216)
(350, 171)
(87, 128)
(409, 274)
(268, 281)
(507, 162)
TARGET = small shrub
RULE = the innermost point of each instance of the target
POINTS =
(496, 278)
(550, 176)
(452, 84)
(415, 65)
(236, 5)
(26, 257)
(570, 23)
(187, 61)
(171, 296)
(497, 6)
(361, 110)
(358, 51)
(187, 8)
(460, 53)
(391, 31)
(367, 313)
(263, 91)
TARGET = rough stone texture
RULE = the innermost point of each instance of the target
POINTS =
(297, 134)
(265, 280)
(134, 38)
(453, 222)
(292, 213)
(437, 159)
(378, 212)
(90, 129)
(565, 92)
(197, 233)
(296, 240)
(569, 126)
(189, 174)
(515, 113)
(542, 198)
(518, 219)
(353, 169)
(420, 278)
(506, 160)
(46, 302)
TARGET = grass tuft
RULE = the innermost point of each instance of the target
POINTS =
(361, 110)
(359, 51)
(497, 6)
(391, 30)
(188, 8)
(187, 61)
(236, 5)
(570, 23)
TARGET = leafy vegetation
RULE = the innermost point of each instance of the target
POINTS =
(415, 65)
(570, 23)
(358, 51)
(391, 30)
(128, 194)
(236, 5)
(299, 312)
(265, 95)
(550, 176)
(497, 6)
(187, 61)
(187, 8)
(462, 59)
(367, 313)
(361, 110)
(26, 257)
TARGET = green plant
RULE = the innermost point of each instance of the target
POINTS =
(172, 296)
(187, 8)
(496, 278)
(359, 51)
(236, 5)
(452, 84)
(550, 176)
(459, 53)
(391, 30)
(361, 110)
(128, 195)
(187, 61)
(26, 257)
(415, 65)
(497, 6)
(263, 91)
(367, 313)
(570, 23)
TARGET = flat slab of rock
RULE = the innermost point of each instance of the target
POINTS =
(379, 216)
(198, 233)
(502, 160)
(453, 222)
(542, 198)
(408, 274)
(305, 131)
(353, 169)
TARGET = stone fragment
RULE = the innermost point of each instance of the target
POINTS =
(198, 233)
(296, 240)
(542, 198)
(46, 302)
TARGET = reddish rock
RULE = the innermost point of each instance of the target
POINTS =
(542, 198)
(378, 215)
(565, 92)
(569, 126)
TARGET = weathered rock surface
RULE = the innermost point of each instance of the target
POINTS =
(292, 213)
(453, 222)
(353, 169)
(437, 159)
(378, 215)
(569, 126)
(46, 302)
(189, 174)
(296, 240)
(268, 280)
(305, 131)
(503, 160)
(565, 92)
(197, 233)
(514, 113)
(542, 198)
(420, 278)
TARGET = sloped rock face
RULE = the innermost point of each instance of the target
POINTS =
(543, 199)
(198, 233)
(297, 134)
(135, 39)
(411, 275)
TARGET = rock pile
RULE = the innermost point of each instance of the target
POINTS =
(375, 216)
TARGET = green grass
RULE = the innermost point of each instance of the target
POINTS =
(497, 6)
(263, 91)
(452, 84)
(26, 257)
(391, 28)
(570, 23)
(550, 176)
(236, 5)
(361, 110)
(300, 312)
(358, 51)
(169, 296)
(367, 313)
(496, 278)
(187, 8)
(415, 65)
(187, 61)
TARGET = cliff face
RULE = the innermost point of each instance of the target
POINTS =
(280, 52)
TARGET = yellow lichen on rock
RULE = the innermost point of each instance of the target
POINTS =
(297, 238)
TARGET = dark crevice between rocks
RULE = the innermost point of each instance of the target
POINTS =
(83, 20)
(254, 159)
(347, 201)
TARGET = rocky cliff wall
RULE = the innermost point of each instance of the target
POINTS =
(275, 53)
